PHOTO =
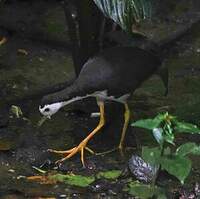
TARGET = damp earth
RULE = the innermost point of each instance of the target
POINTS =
(28, 64)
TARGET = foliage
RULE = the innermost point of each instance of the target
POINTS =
(16, 111)
(75, 180)
(145, 191)
(72, 179)
(126, 13)
(110, 175)
(164, 127)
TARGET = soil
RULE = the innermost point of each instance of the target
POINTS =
(29, 62)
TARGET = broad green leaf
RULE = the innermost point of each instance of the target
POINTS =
(169, 138)
(112, 174)
(161, 117)
(177, 166)
(167, 151)
(144, 191)
(188, 148)
(184, 127)
(126, 12)
(149, 124)
(75, 180)
(151, 155)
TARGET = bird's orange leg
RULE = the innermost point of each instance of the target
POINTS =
(126, 122)
(121, 144)
(80, 148)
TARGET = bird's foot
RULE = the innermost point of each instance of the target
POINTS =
(106, 152)
(120, 148)
(71, 152)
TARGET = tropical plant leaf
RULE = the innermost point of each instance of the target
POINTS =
(188, 148)
(167, 151)
(151, 155)
(177, 166)
(169, 138)
(126, 12)
(149, 124)
(144, 191)
(184, 127)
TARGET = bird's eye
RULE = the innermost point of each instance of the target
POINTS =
(42, 106)
(46, 109)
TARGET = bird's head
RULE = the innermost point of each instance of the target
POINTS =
(50, 104)
(50, 109)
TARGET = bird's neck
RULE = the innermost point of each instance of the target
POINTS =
(67, 94)
(64, 103)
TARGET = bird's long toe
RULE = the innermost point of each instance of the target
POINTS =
(71, 152)
(61, 152)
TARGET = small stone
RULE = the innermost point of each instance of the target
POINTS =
(11, 170)
(63, 195)
(41, 59)
(21, 177)
(142, 170)
(198, 50)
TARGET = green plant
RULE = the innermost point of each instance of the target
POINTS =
(166, 156)
(126, 13)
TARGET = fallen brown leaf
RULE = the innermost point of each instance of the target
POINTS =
(41, 179)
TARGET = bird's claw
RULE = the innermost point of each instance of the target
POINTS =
(71, 152)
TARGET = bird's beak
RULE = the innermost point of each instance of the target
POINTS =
(42, 120)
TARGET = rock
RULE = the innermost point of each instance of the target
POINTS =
(141, 170)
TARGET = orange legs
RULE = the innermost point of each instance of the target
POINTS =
(121, 144)
(80, 148)
(126, 122)
(83, 145)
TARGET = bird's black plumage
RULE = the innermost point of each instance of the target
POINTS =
(119, 70)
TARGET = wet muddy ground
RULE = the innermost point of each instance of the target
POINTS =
(23, 145)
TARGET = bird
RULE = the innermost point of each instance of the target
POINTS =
(111, 75)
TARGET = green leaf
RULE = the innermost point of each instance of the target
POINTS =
(75, 180)
(151, 155)
(161, 117)
(184, 127)
(188, 148)
(149, 124)
(113, 174)
(144, 191)
(126, 12)
(177, 166)
(169, 138)
(168, 132)
(167, 151)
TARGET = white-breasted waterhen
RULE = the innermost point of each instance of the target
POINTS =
(113, 74)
